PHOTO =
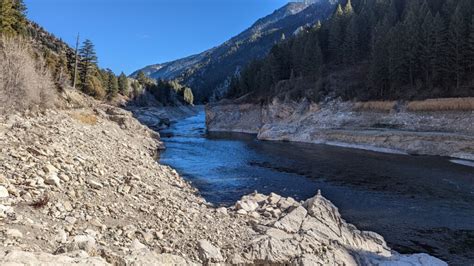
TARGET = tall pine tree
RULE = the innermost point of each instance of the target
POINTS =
(457, 46)
(336, 35)
(123, 84)
(87, 64)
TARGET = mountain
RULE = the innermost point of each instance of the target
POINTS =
(209, 72)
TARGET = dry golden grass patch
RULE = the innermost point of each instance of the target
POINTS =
(444, 104)
(379, 106)
(85, 118)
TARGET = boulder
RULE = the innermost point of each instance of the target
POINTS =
(246, 205)
(82, 242)
(291, 222)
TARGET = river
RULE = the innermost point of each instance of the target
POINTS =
(418, 203)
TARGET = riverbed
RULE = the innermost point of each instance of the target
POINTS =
(418, 203)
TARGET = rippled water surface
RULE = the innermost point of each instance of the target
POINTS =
(419, 204)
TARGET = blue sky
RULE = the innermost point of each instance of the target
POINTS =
(130, 34)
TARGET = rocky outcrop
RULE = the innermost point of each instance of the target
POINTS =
(83, 187)
(335, 123)
(313, 233)
(245, 118)
(162, 117)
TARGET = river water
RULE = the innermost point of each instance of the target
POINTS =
(418, 203)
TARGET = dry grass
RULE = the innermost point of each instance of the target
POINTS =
(84, 118)
(25, 83)
(378, 106)
(445, 104)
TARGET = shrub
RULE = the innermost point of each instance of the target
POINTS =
(25, 83)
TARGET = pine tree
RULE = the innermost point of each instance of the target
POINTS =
(142, 79)
(87, 64)
(61, 72)
(440, 47)
(297, 56)
(412, 42)
(123, 84)
(391, 15)
(318, 25)
(12, 17)
(427, 48)
(336, 35)
(457, 45)
(313, 58)
(379, 69)
(7, 18)
(20, 17)
(351, 42)
(113, 86)
(471, 46)
(348, 10)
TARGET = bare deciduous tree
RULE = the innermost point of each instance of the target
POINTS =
(25, 82)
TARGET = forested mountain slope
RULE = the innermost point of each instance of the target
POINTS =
(387, 49)
(208, 73)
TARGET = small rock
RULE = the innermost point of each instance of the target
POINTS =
(254, 215)
(242, 212)
(3, 192)
(274, 198)
(208, 252)
(67, 206)
(148, 237)
(136, 245)
(95, 184)
(82, 242)
(53, 179)
(61, 237)
(246, 205)
(49, 169)
(222, 210)
(14, 233)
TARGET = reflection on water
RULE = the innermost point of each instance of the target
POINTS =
(419, 204)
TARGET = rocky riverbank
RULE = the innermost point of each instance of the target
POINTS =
(340, 123)
(161, 117)
(82, 186)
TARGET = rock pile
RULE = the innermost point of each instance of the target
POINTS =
(83, 187)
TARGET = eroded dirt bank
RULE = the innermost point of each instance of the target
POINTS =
(335, 123)
(83, 186)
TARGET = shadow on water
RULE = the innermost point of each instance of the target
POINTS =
(419, 204)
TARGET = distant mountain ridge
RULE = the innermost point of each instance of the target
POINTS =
(209, 72)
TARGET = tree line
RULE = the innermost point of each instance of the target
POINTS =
(79, 67)
(59, 58)
(371, 49)
(166, 92)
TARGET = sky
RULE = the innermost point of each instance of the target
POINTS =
(131, 34)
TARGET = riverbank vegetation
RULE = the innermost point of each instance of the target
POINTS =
(371, 50)
(168, 93)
